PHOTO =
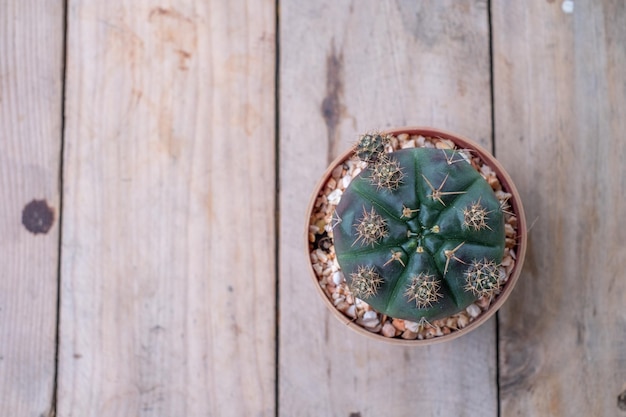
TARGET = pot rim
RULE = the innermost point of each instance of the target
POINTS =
(514, 202)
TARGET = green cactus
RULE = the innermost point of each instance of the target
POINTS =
(421, 233)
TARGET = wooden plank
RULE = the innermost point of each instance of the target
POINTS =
(31, 72)
(560, 97)
(348, 67)
(168, 294)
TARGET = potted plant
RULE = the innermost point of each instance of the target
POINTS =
(415, 236)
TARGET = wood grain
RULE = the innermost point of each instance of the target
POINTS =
(348, 67)
(560, 100)
(168, 291)
(31, 66)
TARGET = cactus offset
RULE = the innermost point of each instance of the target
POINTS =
(421, 233)
(371, 146)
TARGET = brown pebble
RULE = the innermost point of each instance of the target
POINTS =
(493, 182)
(337, 172)
(483, 303)
(343, 306)
(394, 143)
(438, 323)
(451, 322)
(398, 324)
(409, 335)
(444, 144)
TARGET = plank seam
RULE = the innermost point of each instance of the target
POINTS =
(277, 208)
(493, 151)
(491, 79)
(55, 383)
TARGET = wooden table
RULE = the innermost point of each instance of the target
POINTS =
(156, 158)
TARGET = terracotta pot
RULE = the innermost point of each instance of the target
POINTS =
(516, 208)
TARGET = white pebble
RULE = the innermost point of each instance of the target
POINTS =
(485, 170)
(369, 315)
(339, 300)
(362, 305)
(473, 310)
(502, 273)
(370, 323)
(321, 256)
(351, 311)
(388, 330)
(409, 144)
(337, 278)
(335, 196)
(412, 326)
(345, 181)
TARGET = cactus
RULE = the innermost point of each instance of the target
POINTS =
(421, 233)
